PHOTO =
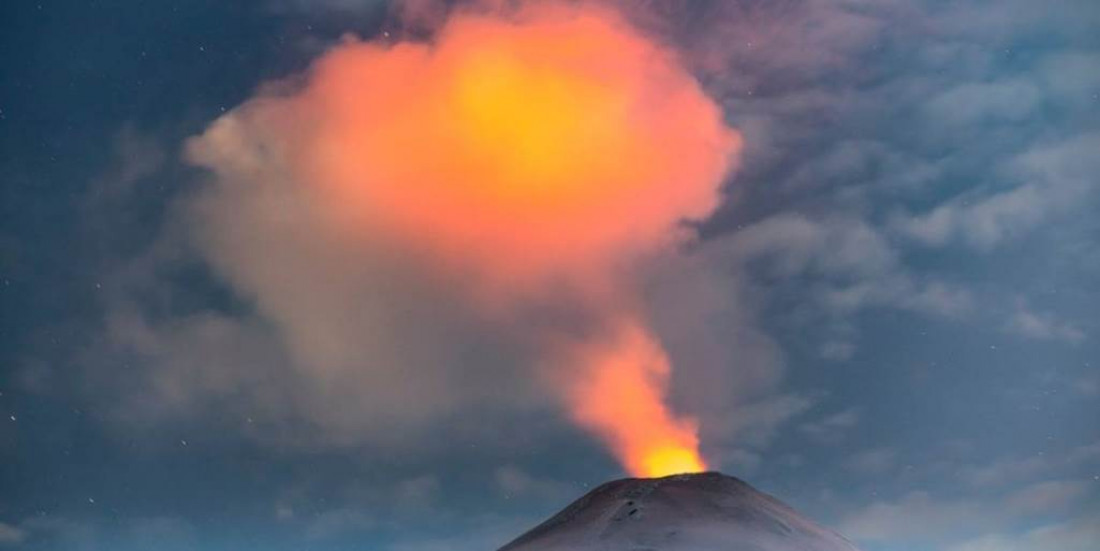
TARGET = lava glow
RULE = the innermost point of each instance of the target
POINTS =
(621, 398)
(553, 144)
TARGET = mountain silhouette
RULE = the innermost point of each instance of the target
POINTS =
(690, 512)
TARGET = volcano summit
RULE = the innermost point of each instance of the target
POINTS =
(689, 512)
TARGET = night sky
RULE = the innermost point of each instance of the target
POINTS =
(889, 321)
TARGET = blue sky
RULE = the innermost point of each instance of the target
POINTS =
(890, 323)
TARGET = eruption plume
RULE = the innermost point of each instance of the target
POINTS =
(528, 150)
(620, 396)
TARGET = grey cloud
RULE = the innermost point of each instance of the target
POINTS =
(1035, 325)
(1008, 469)
(64, 533)
(1053, 179)
(873, 462)
(485, 533)
(1048, 497)
(339, 522)
(1089, 386)
(922, 520)
(975, 103)
(11, 535)
(726, 366)
(515, 483)
(1028, 468)
(160, 532)
(856, 265)
(331, 344)
(334, 6)
(918, 518)
(838, 350)
(138, 155)
(1072, 76)
(1078, 534)
(832, 427)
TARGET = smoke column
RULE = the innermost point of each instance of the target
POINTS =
(528, 150)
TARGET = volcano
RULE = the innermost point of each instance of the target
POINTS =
(688, 512)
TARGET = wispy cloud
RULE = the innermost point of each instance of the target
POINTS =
(1035, 325)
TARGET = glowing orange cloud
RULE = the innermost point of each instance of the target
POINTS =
(546, 145)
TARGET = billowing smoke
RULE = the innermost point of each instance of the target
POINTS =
(525, 160)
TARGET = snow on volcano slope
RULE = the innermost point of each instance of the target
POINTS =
(691, 512)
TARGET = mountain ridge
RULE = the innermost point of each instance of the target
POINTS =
(689, 512)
